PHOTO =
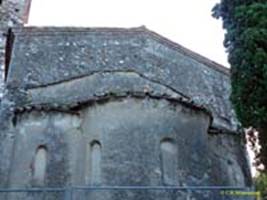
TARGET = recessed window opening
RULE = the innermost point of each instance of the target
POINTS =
(95, 149)
(39, 166)
(168, 154)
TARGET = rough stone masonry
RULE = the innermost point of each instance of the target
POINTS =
(115, 107)
(122, 107)
(13, 13)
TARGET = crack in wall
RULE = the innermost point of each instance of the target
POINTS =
(114, 72)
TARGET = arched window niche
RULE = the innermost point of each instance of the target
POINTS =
(95, 162)
(168, 158)
(39, 166)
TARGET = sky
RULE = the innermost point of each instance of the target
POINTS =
(187, 22)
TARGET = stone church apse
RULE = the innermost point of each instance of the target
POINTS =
(116, 107)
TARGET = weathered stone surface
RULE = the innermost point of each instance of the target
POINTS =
(158, 113)
(12, 13)
(130, 132)
(117, 84)
(51, 56)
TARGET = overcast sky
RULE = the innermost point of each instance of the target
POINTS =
(187, 22)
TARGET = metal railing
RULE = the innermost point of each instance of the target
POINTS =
(71, 193)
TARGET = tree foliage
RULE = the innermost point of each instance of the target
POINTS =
(261, 185)
(246, 41)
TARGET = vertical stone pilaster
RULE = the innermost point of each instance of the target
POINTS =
(13, 13)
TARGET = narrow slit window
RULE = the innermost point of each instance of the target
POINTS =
(168, 161)
(39, 166)
(95, 163)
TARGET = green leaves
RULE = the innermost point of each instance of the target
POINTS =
(261, 184)
(246, 43)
